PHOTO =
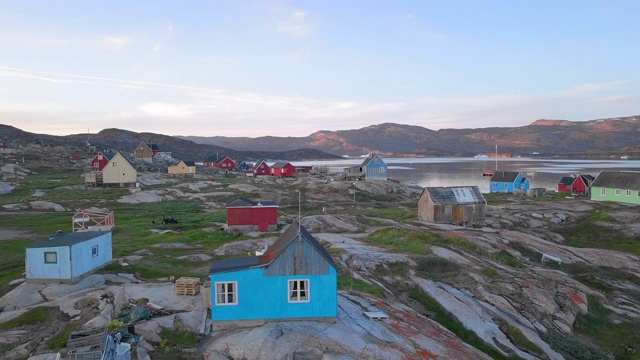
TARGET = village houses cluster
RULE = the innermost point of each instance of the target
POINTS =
(296, 276)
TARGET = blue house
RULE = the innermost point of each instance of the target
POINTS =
(295, 278)
(372, 168)
(68, 257)
(509, 181)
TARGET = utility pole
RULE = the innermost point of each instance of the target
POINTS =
(354, 194)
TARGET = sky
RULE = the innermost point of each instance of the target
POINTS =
(244, 68)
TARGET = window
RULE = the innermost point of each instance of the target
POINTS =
(381, 170)
(50, 257)
(617, 191)
(227, 293)
(94, 251)
(628, 192)
(298, 290)
(447, 209)
(114, 164)
(99, 157)
(495, 185)
(603, 191)
(224, 165)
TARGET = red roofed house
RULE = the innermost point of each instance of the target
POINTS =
(283, 168)
(101, 160)
(244, 215)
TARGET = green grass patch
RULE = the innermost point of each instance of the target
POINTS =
(505, 258)
(621, 339)
(448, 320)
(59, 340)
(395, 213)
(434, 267)
(346, 282)
(403, 241)
(586, 233)
(12, 260)
(396, 268)
(31, 317)
(521, 341)
(490, 273)
(180, 339)
(571, 349)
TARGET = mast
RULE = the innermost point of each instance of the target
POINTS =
(496, 157)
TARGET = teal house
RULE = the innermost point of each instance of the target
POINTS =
(67, 257)
(295, 278)
(373, 168)
(509, 182)
(618, 186)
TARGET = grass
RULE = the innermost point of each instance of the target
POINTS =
(395, 213)
(346, 282)
(490, 273)
(571, 349)
(521, 341)
(622, 339)
(449, 321)
(59, 340)
(31, 317)
(434, 267)
(180, 339)
(587, 233)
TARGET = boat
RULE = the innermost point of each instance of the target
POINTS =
(488, 173)
(624, 157)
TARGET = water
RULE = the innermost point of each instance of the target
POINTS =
(542, 173)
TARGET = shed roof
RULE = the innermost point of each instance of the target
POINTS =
(288, 236)
(189, 162)
(280, 164)
(566, 180)
(221, 158)
(628, 180)
(258, 163)
(154, 147)
(505, 176)
(211, 158)
(244, 202)
(68, 239)
(370, 158)
(456, 195)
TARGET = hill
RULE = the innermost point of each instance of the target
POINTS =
(547, 137)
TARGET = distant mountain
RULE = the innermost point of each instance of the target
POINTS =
(126, 141)
(547, 137)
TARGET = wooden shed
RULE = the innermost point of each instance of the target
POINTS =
(68, 257)
(119, 171)
(451, 204)
(244, 215)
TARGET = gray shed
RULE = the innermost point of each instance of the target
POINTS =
(451, 204)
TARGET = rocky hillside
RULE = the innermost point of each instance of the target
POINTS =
(547, 137)
(126, 141)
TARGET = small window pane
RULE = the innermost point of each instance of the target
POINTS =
(51, 258)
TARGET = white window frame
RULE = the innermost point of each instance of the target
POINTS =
(94, 251)
(628, 192)
(225, 293)
(299, 291)
(50, 260)
(617, 192)
(99, 157)
(448, 209)
(603, 191)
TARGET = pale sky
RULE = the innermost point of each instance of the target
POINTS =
(290, 68)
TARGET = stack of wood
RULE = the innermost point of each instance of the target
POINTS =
(187, 286)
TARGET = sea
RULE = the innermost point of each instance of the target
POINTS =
(433, 171)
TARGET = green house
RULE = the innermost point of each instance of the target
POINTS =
(618, 186)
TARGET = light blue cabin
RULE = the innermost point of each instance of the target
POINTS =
(295, 278)
(509, 182)
(68, 257)
(373, 168)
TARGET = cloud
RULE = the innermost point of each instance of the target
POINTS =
(295, 26)
(590, 88)
(167, 36)
(115, 43)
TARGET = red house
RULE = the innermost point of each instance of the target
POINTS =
(101, 160)
(283, 168)
(244, 215)
(220, 162)
(261, 168)
(576, 185)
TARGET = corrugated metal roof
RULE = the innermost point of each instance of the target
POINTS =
(68, 239)
(628, 180)
(279, 164)
(289, 235)
(505, 176)
(567, 180)
(244, 202)
(456, 195)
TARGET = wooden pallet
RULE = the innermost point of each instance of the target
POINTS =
(187, 286)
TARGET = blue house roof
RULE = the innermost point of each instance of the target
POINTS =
(291, 233)
(68, 239)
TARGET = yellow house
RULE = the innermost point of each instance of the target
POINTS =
(119, 171)
(183, 167)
